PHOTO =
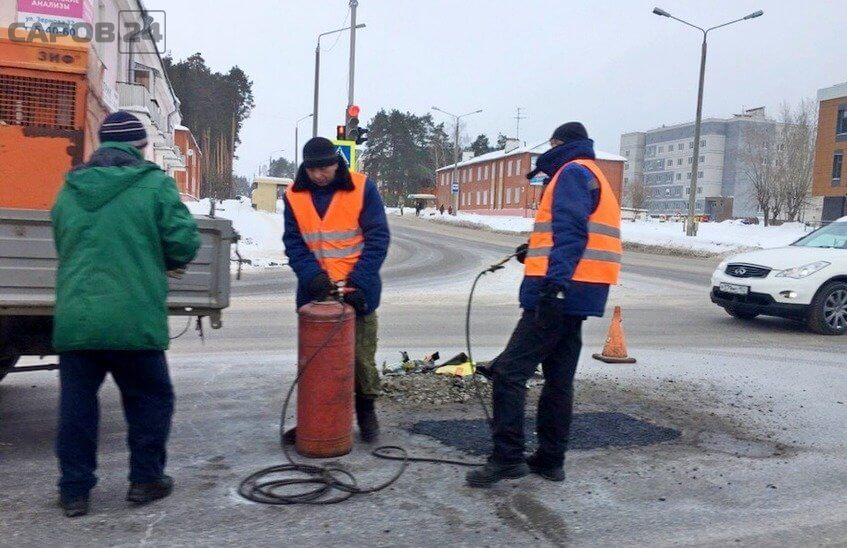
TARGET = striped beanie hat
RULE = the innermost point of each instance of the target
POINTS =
(123, 127)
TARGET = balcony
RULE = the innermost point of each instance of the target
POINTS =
(136, 97)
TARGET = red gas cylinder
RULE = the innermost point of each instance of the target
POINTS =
(327, 354)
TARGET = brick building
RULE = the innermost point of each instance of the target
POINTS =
(496, 183)
(829, 179)
(188, 178)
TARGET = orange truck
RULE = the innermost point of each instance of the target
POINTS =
(48, 121)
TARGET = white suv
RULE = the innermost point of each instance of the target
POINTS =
(805, 281)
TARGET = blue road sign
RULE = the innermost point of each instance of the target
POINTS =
(538, 180)
(347, 149)
(455, 187)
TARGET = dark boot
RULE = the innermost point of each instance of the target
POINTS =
(74, 506)
(142, 493)
(290, 436)
(537, 465)
(492, 472)
(366, 418)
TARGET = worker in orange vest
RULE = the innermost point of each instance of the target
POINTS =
(572, 257)
(336, 231)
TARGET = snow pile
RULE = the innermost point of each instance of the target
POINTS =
(261, 232)
(712, 238)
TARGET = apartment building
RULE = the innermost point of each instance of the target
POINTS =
(663, 159)
(829, 176)
(496, 182)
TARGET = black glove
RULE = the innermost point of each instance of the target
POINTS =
(321, 287)
(549, 312)
(520, 252)
(356, 299)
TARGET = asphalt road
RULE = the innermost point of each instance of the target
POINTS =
(761, 406)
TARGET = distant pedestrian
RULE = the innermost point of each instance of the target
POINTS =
(120, 230)
(572, 257)
(401, 210)
(441, 209)
(417, 209)
(449, 210)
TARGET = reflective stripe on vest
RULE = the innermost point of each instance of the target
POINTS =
(336, 240)
(600, 262)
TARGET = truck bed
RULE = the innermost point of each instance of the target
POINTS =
(28, 268)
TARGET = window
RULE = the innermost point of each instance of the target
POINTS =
(679, 176)
(509, 169)
(508, 195)
(626, 153)
(485, 197)
(486, 171)
(626, 166)
(625, 180)
(669, 162)
(478, 198)
(661, 150)
(841, 121)
(703, 143)
(837, 164)
(690, 144)
(517, 166)
(479, 173)
(688, 175)
(680, 146)
(690, 160)
(699, 174)
(702, 159)
(679, 161)
(699, 190)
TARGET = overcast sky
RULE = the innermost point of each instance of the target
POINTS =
(611, 64)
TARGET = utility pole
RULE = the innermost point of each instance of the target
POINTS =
(518, 117)
(691, 226)
(297, 141)
(455, 195)
(353, 5)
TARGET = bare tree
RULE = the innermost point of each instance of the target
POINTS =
(798, 155)
(759, 160)
(637, 194)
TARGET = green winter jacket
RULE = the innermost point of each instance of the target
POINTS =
(118, 225)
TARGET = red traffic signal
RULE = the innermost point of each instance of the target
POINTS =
(353, 111)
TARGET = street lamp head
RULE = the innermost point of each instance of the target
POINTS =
(660, 11)
(755, 14)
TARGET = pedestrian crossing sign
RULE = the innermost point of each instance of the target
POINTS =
(347, 150)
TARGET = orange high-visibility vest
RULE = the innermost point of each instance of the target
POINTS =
(601, 261)
(336, 240)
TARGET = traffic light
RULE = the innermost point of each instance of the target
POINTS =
(363, 135)
(353, 123)
(341, 133)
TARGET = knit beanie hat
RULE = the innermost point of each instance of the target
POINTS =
(319, 152)
(572, 131)
(123, 127)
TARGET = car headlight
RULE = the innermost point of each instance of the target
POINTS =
(802, 271)
(722, 266)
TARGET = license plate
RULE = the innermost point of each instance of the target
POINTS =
(735, 289)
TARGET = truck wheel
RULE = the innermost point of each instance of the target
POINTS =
(828, 311)
(6, 364)
(741, 314)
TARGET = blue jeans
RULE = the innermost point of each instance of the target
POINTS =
(148, 402)
(557, 350)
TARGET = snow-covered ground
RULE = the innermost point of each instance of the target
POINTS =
(712, 238)
(261, 232)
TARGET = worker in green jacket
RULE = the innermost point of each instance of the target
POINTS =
(120, 229)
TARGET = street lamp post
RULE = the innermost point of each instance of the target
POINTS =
(318, 72)
(455, 195)
(270, 159)
(297, 140)
(691, 226)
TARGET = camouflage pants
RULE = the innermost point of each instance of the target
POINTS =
(367, 377)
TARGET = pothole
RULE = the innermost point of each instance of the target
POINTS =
(588, 431)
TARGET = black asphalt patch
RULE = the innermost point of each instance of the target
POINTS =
(588, 431)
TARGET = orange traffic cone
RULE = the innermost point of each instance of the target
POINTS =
(615, 349)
